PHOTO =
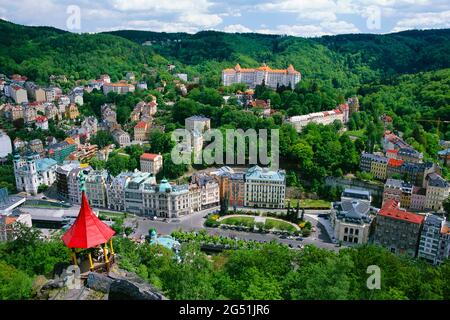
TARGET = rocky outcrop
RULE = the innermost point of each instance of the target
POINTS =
(131, 287)
(99, 282)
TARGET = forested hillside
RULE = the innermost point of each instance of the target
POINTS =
(39, 52)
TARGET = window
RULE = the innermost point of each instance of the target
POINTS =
(346, 230)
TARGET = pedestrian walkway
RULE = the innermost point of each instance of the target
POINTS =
(325, 223)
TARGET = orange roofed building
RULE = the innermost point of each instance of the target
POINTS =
(253, 77)
(397, 229)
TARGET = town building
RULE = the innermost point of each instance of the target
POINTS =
(121, 137)
(397, 229)
(60, 151)
(10, 214)
(356, 194)
(30, 173)
(42, 122)
(433, 246)
(351, 218)
(410, 155)
(151, 163)
(231, 186)
(115, 191)
(265, 188)
(89, 126)
(272, 78)
(418, 198)
(36, 146)
(134, 189)
(437, 191)
(96, 185)
(18, 94)
(29, 114)
(398, 190)
(340, 114)
(35, 92)
(74, 183)
(76, 96)
(353, 104)
(119, 88)
(84, 152)
(62, 177)
(209, 190)
(141, 131)
(5, 146)
(72, 111)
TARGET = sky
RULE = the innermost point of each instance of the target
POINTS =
(308, 18)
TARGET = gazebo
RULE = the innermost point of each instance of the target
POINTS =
(87, 232)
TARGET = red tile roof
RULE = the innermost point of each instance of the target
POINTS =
(141, 125)
(392, 151)
(391, 209)
(149, 156)
(41, 119)
(395, 162)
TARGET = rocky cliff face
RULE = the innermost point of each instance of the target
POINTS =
(123, 286)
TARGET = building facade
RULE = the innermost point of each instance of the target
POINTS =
(397, 229)
(96, 185)
(151, 163)
(30, 173)
(265, 188)
(272, 78)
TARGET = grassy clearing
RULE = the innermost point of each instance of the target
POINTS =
(238, 221)
(279, 225)
(309, 203)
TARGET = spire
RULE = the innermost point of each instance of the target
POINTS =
(88, 230)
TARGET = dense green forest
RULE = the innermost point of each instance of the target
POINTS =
(262, 272)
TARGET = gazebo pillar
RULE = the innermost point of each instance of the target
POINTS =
(91, 265)
(74, 258)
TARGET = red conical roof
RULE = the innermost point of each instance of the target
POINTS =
(87, 231)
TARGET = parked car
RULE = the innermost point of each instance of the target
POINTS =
(299, 239)
(283, 237)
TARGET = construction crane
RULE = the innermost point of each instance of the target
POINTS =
(438, 121)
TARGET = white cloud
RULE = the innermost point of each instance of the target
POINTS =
(313, 30)
(200, 19)
(161, 6)
(424, 20)
(233, 28)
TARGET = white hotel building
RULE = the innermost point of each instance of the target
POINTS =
(252, 77)
(324, 117)
(265, 188)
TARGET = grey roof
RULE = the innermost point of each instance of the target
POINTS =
(198, 118)
(433, 220)
(356, 194)
(393, 183)
(436, 180)
(355, 211)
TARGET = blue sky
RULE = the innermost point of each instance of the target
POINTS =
(294, 17)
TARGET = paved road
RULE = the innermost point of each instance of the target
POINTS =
(195, 221)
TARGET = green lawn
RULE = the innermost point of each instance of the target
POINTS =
(356, 133)
(309, 203)
(238, 221)
(112, 214)
(279, 225)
